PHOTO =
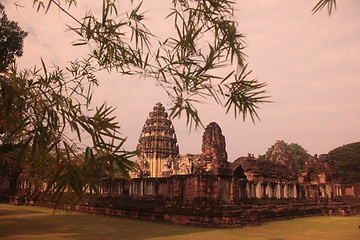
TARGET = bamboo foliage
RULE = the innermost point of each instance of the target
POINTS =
(329, 4)
(195, 65)
(45, 115)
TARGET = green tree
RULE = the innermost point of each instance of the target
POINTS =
(11, 40)
(347, 162)
(300, 155)
(11, 45)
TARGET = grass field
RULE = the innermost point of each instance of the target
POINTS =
(22, 222)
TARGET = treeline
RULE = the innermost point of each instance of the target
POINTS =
(347, 162)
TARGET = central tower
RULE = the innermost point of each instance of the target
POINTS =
(157, 144)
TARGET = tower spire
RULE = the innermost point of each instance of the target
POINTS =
(157, 143)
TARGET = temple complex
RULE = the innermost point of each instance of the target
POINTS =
(207, 190)
(271, 177)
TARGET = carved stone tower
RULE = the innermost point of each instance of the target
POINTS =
(282, 154)
(157, 144)
(213, 148)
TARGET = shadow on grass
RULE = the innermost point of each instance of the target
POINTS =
(40, 223)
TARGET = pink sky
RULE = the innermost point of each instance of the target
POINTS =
(310, 62)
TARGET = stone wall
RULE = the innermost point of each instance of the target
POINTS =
(206, 200)
(351, 191)
(219, 216)
(180, 189)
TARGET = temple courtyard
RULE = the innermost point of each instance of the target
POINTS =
(25, 222)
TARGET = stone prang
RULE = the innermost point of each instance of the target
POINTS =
(157, 144)
(282, 154)
(214, 153)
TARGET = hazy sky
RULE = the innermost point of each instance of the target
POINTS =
(310, 62)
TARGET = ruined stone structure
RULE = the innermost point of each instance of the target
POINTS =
(214, 155)
(277, 177)
(159, 153)
(319, 178)
(206, 190)
(274, 177)
(281, 155)
(157, 145)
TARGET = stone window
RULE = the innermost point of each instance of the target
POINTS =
(149, 188)
(116, 188)
(136, 188)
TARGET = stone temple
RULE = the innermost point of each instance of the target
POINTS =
(157, 145)
(274, 177)
(159, 152)
(207, 190)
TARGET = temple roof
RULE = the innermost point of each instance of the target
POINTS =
(158, 138)
(263, 169)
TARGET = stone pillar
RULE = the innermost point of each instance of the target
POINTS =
(278, 190)
(248, 190)
(322, 189)
(338, 190)
(329, 191)
(259, 192)
(253, 190)
(235, 189)
(142, 188)
(307, 193)
(196, 186)
(286, 191)
(295, 191)
(240, 193)
(300, 191)
(269, 190)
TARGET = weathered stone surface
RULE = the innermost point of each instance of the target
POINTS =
(214, 153)
(223, 216)
(281, 154)
(277, 177)
(320, 170)
(261, 169)
(185, 164)
(157, 145)
(320, 178)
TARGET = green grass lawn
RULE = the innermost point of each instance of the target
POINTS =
(22, 222)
